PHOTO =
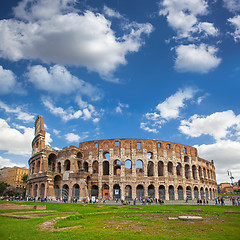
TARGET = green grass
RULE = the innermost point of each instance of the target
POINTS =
(127, 222)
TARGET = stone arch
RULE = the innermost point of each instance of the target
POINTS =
(65, 192)
(106, 155)
(204, 173)
(35, 190)
(79, 164)
(79, 155)
(206, 193)
(160, 168)
(149, 155)
(180, 193)
(128, 167)
(150, 169)
(95, 166)
(210, 192)
(171, 192)
(208, 174)
(151, 191)
(117, 167)
(161, 190)
(170, 168)
(51, 162)
(85, 166)
(196, 193)
(140, 191)
(189, 193)
(94, 191)
(67, 165)
(128, 192)
(187, 171)
(194, 172)
(200, 172)
(42, 190)
(116, 191)
(38, 166)
(105, 168)
(105, 191)
(179, 169)
(139, 167)
(186, 159)
(76, 191)
(202, 193)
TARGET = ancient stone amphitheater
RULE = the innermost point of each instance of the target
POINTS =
(119, 169)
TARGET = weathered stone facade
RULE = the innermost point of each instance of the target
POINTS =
(119, 168)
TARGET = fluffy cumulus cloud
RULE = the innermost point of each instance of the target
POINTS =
(40, 28)
(168, 109)
(71, 137)
(219, 125)
(225, 154)
(193, 58)
(232, 5)
(182, 16)
(120, 106)
(111, 13)
(60, 81)
(7, 81)
(235, 21)
(20, 114)
(5, 162)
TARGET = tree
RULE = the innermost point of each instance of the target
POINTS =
(3, 187)
(24, 178)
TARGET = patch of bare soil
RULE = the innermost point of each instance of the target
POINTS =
(10, 206)
(136, 208)
(49, 225)
(196, 210)
(231, 211)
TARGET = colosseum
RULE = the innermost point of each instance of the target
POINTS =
(118, 169)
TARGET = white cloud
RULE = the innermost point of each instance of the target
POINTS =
(7, 81)
(14, 141)
(66, 115)
(167, 110)
(120, 107)
(235, 21)
(232, 5)
(26, 117)
(4, 162)
(193, 58)
(60, 81)
(54, 33)
(57, 132)
(71, 137)
(219, 125)
(170, 108)
(208, 28)
(111, 13)
(226, 155)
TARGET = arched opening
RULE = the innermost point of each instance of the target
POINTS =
(140, 192)
(208, 174)
(151, 191)
(57, 183)
(128, 167)
(116, 192)
(105, 192)
(51, 162)
(202, 193)
(106, 155)
(33, 168)
(170, 168)
(35, 190)
(196, 194)
(105, 168)
(59, 168)
(213, 193)
(204, 173)
(150, 169)
(42, 190)
(75, 191)
(207, 196)
(187, 171)
(189, 193)
(139, 167)
(128, 192)
(194, 172)
(117, 168)
(67, 165)
(179, 169)
(171, 193)
(88, 181)
(94, 191)
(85, 166)
(210, 191)
(79, 155)
(65, 192)
(149, 155)
(95, 167)
(79, 164)
(38, 166)
(180, 193)
(160, 168)
(186, 159)
(162, 192)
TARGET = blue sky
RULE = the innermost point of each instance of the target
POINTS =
(166, 70)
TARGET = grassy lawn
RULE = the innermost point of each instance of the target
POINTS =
(125, 222)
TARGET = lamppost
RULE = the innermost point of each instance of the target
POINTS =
(231, 178)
